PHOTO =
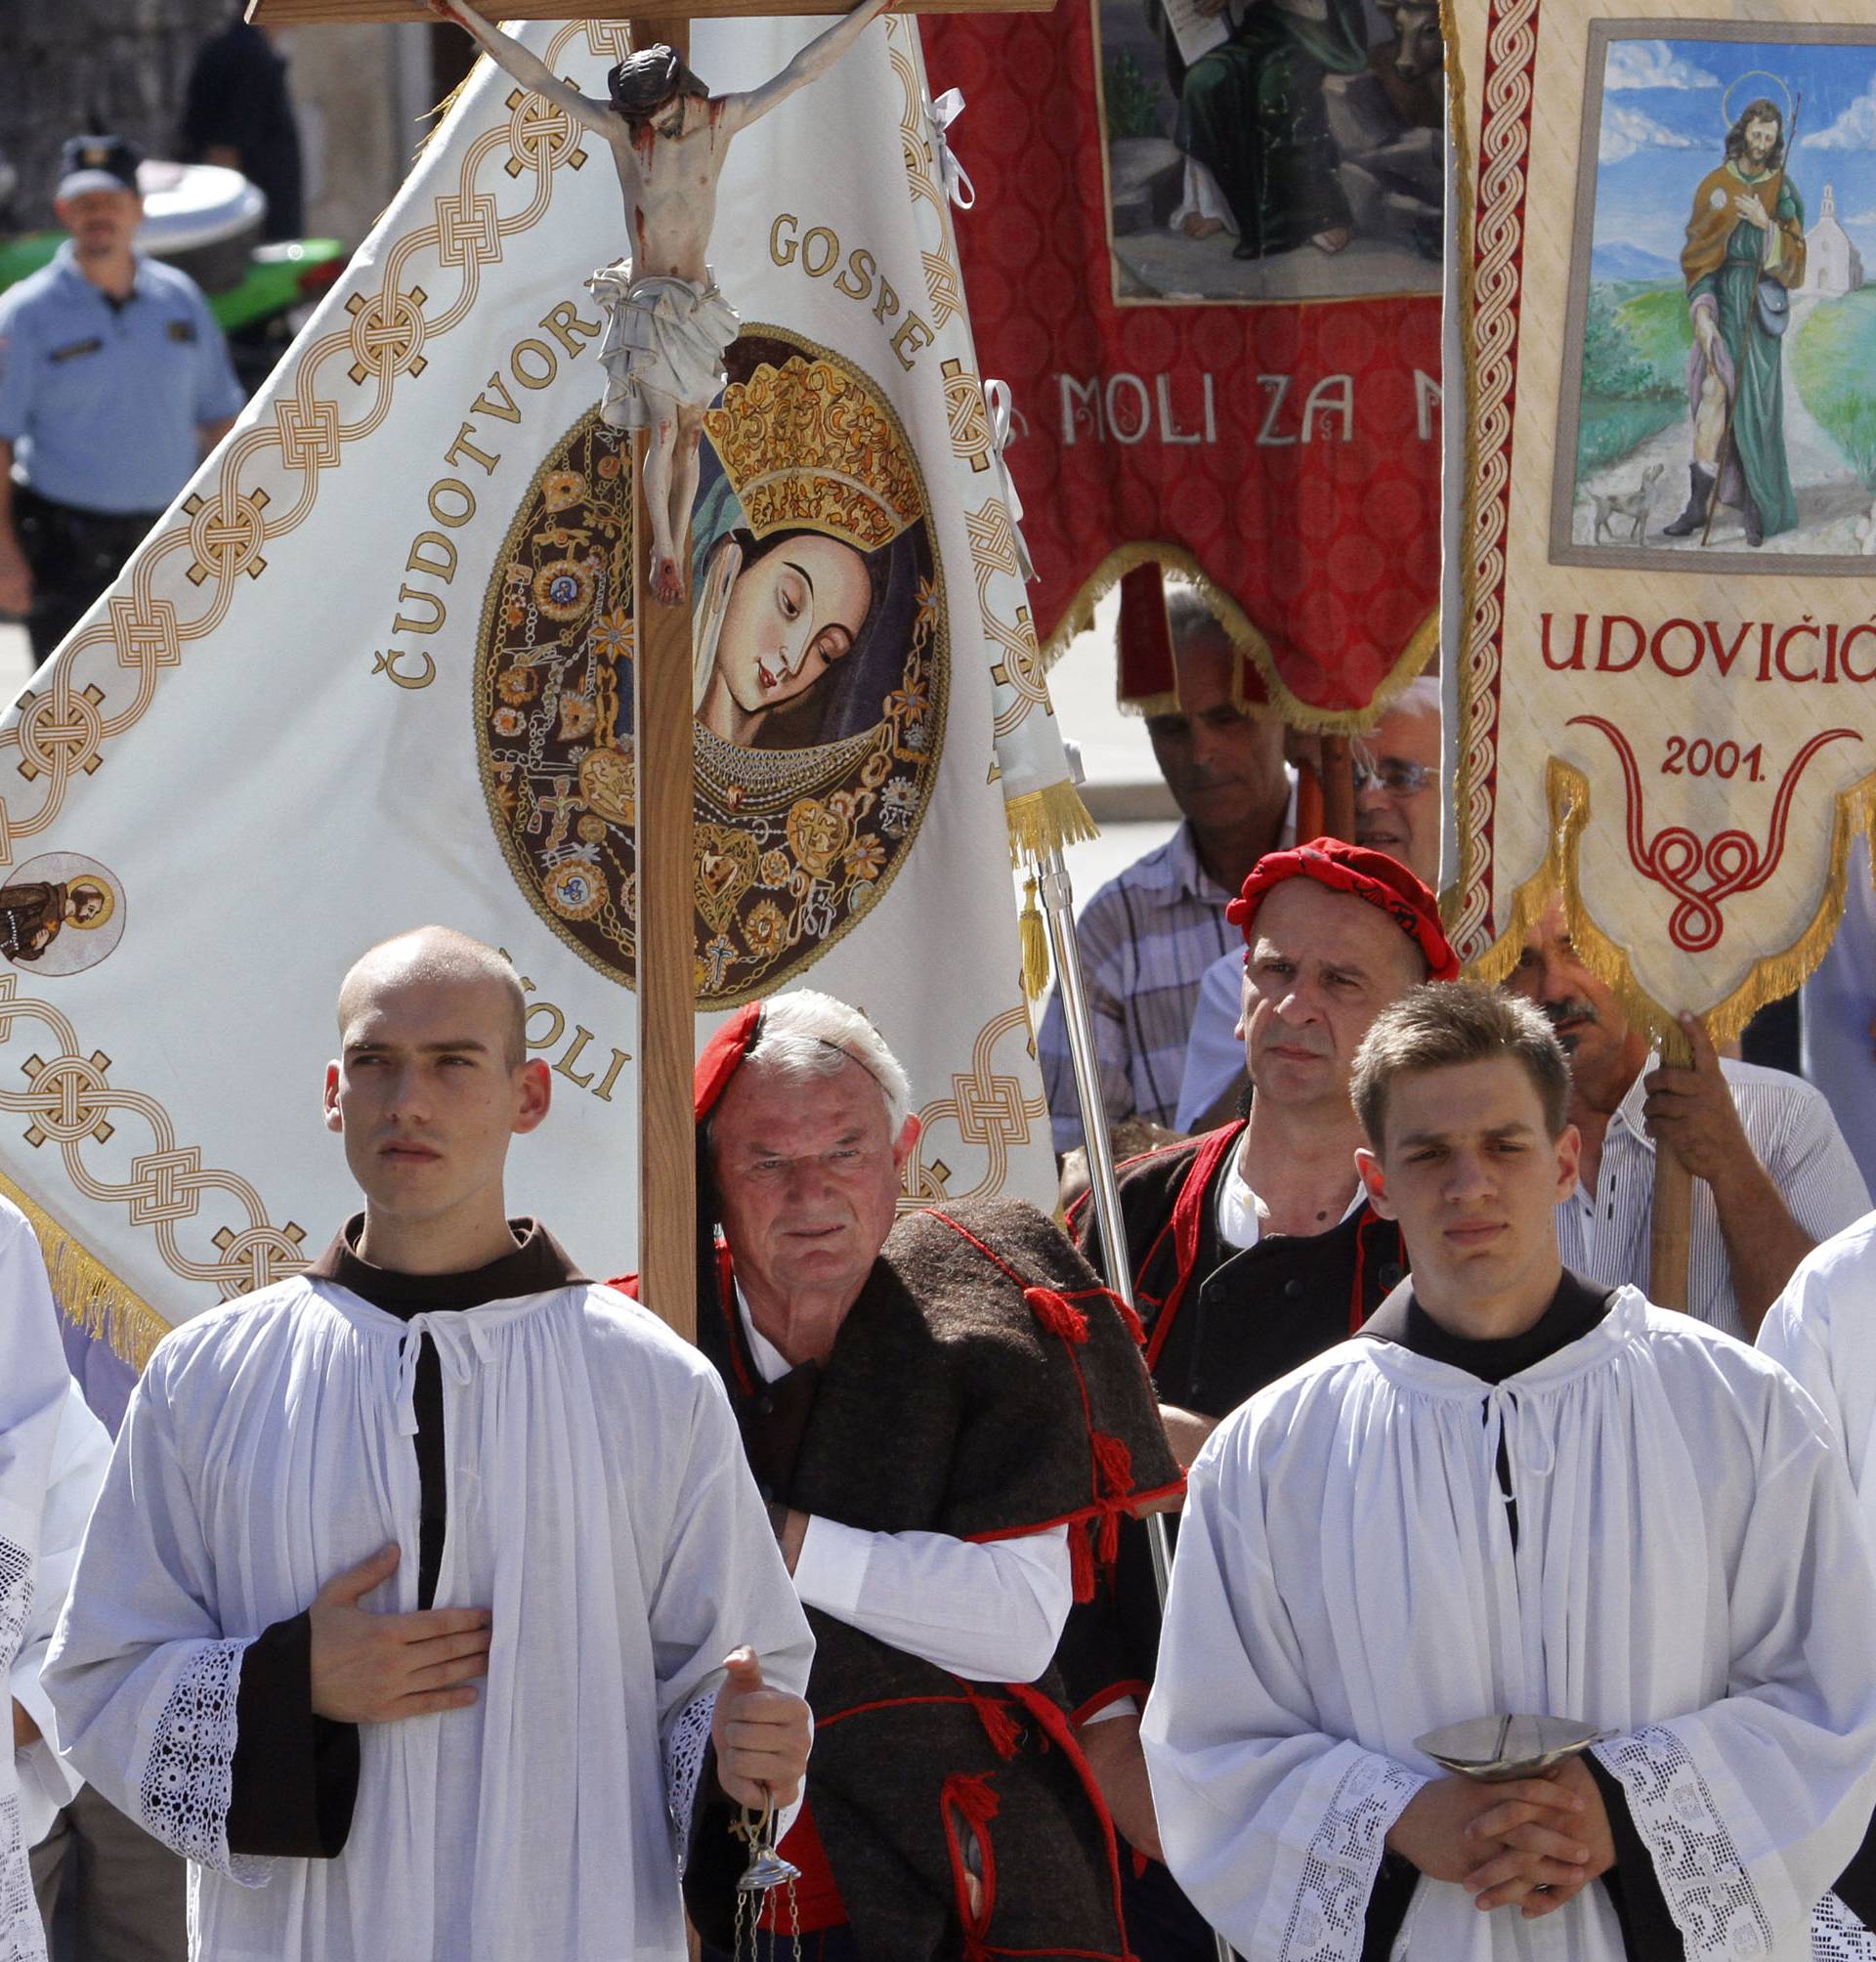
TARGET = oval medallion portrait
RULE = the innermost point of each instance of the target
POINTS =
(61, 913)
(819, 682)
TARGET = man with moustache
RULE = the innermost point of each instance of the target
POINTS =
(1254, 1250)
(1396, 774)
(1773, 1175)
(1516, 1492)
(1148, 936)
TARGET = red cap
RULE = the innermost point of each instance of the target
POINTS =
(1369, 875)
(723, 1056)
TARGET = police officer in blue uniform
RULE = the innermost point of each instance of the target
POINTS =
(114, 383)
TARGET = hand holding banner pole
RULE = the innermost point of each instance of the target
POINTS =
(1671, 1211)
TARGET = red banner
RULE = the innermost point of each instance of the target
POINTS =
(1212, 289)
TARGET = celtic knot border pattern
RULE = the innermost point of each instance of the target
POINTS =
(60, 731)
(986, 1110)
(1017, 667)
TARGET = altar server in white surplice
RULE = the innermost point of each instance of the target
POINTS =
(1823, 1329)
(32, 1391)
(1513, 1493)
(406, 1608)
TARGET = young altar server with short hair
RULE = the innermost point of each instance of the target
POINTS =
(1514, 1494)
(405, 1607)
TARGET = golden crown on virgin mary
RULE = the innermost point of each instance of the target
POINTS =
(803, 446)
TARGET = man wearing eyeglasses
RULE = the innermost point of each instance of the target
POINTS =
(1397, 812)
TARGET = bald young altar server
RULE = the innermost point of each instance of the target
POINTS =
(405, 1610)
(1513, 1493)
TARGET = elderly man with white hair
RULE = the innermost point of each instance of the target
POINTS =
(949, 1417)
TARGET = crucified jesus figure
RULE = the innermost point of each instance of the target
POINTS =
(667, 322)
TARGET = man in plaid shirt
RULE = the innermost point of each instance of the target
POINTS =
(1147, 936)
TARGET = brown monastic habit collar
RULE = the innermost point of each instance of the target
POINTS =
(537, 1265)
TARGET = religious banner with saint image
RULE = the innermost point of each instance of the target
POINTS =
(1667, 363)
(374, 669)
(1203, 246)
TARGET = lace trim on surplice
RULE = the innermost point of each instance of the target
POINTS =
(22, 1935)
(188, 1776)
(684, 1753)
(1707, 1891)
(1328, 1915)
(1837, 1936)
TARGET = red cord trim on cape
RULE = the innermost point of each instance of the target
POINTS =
(1056, 1728)
(1187, 1223)
(1056, 1723)
(973, 1800)
(1110, 1462)
(1135, 1503)
(726, 1307)
(1103, 1697)
(827, 1722)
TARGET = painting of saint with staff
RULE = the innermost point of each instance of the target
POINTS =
(1746, 252)
(1717, 399)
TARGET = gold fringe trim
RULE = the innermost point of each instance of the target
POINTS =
(1046, 820)
(1283, 705)
(1034, 933)
(89, 1294)
(1769, 979)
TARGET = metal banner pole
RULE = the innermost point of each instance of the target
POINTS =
(1058, 913)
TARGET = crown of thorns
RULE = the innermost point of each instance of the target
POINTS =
(644, 83)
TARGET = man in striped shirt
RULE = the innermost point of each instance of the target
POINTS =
(1773, 1175)
(1147, 936)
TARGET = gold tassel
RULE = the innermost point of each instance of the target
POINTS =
(89, 1294)
(1046, 820)
(1035, 935)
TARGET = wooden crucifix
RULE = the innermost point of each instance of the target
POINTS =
(666, 326)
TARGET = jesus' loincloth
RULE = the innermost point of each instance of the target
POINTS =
(663, 345)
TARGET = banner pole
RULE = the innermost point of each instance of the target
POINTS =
(1671, 1207)
(1058, 913)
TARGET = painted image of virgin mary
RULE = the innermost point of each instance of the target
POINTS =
(808, 549)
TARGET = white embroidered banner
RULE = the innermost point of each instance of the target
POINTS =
(374, 669)
(1664, 646)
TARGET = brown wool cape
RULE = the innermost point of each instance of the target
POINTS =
(984, 1385)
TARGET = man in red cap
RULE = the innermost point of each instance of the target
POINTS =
(1254, 1250)
(950, 1418)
